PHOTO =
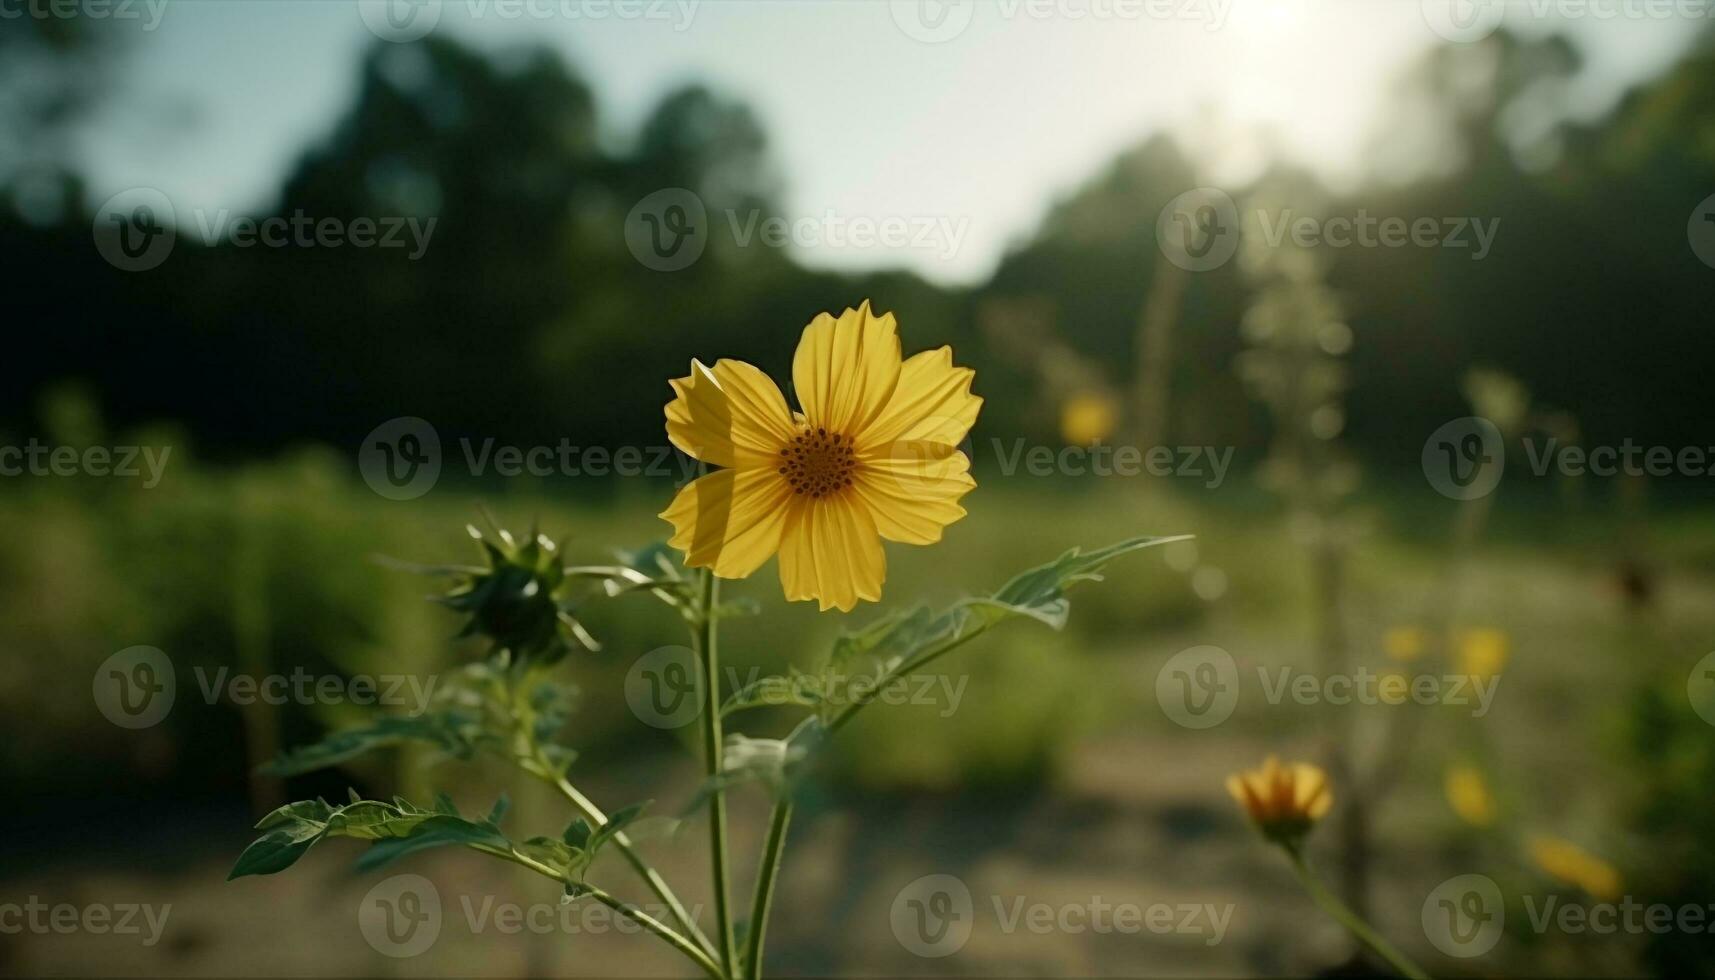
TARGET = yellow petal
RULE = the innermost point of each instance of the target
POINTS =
(1468, 795)
(728, 415)
(845, 370)
(1311, 796)
(730, 520)
(830, 552)
(932, 402)
(912, 500)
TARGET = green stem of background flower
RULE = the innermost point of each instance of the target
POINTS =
(648, 922)
(1346, 917)
(765, 876)
(706, 627)
(650, 876)
(660, 929)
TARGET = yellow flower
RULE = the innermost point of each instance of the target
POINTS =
(1405, 643)
(1086, 419)
(873, 454)
(1468, 795)
(1574, 866)
(1482, 652)
(1284, 801)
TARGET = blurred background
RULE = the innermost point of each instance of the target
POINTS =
(1144, 225)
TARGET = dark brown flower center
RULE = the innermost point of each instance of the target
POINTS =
(817, 462)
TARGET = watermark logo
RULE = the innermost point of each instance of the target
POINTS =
(401, 458)
(136, 687)
(933, 21)
(1700, 231)
(668, 230)
(135, 229)
(301, 230)
(665, 687)
(933, 916)
(1463, 916)
(1464, 21)
(1700, 688)
(401, 917)
(1199, 229)
(1198, 688)
(399, 20)
(1464, 459)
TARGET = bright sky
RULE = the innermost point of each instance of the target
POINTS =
(973, 115)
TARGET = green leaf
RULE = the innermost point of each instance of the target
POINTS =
(451, 730)
(799, 688)
(436, 830)
(616, 822)
(397, 828)
(773, 762)
(577, 833)
(1040, 593)
(279, 848)
(738, 608)
(896, 645)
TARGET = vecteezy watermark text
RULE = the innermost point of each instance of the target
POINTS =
(937, 21)
(668, 230)
(664, 688)
(36, 458)
(935, 915)
(1200, 230)
(150, 12)
(137, 687)
(409, 20)
(1199, 688)
(403, 916)
(1206, 463)
(1466, 21)
(41, 918)
(1465, 916)
(1464, 459)
(301, 230)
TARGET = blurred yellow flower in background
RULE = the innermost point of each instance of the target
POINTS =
(1088, 418)
(1481, 653)
(872, 455)
(1405, 643)
(1468, 794)
(1572, 865)
(1283, 801)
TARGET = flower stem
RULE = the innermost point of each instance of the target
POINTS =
(659, 928)
(706, 626)
(1342, 914)
(900, 670)
(650, 876)
(765, 877)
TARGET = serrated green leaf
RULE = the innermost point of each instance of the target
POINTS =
(451, 730)
(397, 828)
(577, 833)
(1040, 593)
(316, 811)
(278, 849)
(798, 689)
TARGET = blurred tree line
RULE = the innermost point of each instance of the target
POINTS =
(528, 319)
